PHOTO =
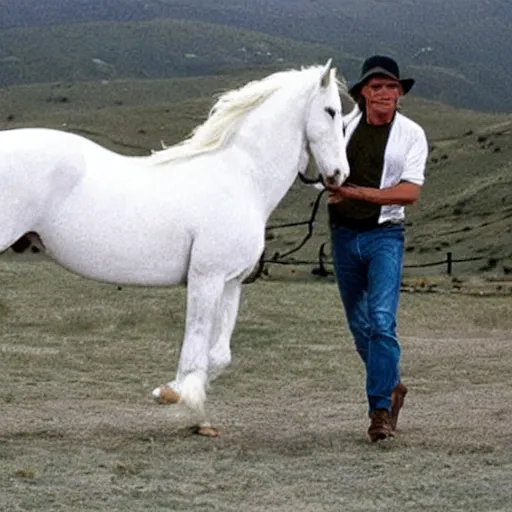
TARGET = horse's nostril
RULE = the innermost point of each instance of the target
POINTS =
(332, 180)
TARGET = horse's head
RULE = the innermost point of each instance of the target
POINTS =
(324, 129)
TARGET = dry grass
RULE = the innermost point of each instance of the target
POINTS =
(79, 432)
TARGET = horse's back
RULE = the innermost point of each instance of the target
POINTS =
(37, 138)
(40, 161)
(38, 169)
(36, 153)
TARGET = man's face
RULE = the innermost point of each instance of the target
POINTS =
(382, 94)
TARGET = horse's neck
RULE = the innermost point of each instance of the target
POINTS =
(277, 150)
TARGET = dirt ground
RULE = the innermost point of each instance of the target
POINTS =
(79, 431)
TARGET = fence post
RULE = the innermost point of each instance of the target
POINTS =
(321, 270)
(449, 263)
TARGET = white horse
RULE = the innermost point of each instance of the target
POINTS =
(193, 213)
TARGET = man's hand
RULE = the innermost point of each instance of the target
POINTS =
(337, 194)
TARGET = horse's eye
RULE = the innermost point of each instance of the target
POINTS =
(330, 111)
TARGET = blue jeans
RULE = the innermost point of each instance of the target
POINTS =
(368, 269)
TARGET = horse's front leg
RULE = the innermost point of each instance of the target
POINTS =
(220, 350)
(203, 302)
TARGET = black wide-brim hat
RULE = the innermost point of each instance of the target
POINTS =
(379, 65)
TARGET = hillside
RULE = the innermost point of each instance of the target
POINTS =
(458, 49)
(149, 49)
(465, 208)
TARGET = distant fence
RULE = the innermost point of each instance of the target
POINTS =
(319, 266)
(448, 261)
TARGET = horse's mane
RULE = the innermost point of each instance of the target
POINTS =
(230, 108)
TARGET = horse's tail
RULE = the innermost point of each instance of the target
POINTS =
(193, 392)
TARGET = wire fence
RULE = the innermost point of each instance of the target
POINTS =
(322, 262)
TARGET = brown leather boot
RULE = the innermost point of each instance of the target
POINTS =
(397, 402)
(380, 426)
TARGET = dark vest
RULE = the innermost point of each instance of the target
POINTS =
(365, 153)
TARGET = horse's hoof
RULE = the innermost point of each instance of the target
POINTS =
(207, 431)
(166, 395)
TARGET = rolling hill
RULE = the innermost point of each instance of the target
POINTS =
(458, 49)
(146, 49)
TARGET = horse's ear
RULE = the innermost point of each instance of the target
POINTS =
(326, 74)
